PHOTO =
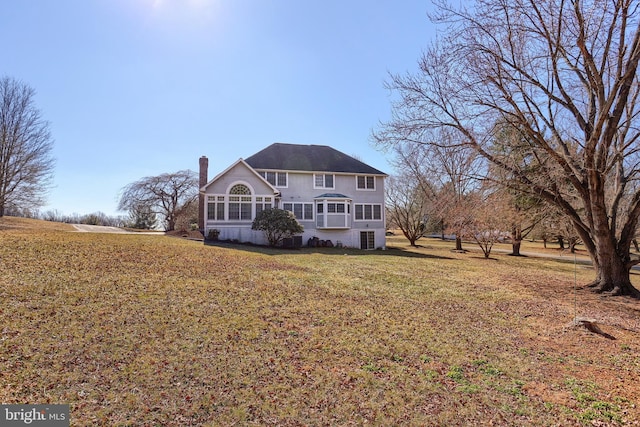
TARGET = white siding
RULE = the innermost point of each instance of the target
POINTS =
(301, 189)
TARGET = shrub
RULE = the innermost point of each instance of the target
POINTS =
(277, 224)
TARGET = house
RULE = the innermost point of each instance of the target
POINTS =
(335, 197)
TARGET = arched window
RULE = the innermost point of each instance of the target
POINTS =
(240, 203)
(240, 189)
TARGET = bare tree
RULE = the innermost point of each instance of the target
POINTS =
(407, 206)
(26, 165)
(487, 225)
(523, 210)
(565, 75)
(166, 195)
(446, 173)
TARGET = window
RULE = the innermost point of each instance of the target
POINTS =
(366, 182)
(323, 181)
(240, 189)
(215, 208)
(263, 203)
(336, 207)
(368, 212)
(308, 211)
(277, 179)
(302, 211)
(240, 203)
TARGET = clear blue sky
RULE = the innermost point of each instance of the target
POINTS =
(134, 88)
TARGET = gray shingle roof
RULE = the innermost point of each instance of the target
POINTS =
(313, 158)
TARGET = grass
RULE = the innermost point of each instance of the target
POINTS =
(152, 330)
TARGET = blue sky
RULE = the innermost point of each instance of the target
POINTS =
(134, 88)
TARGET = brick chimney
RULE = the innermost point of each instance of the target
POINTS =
(204, 170)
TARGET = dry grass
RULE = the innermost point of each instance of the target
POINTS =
(151, 330)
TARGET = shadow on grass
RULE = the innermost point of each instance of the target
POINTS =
(305, 250)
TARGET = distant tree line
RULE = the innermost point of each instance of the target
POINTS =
(166, 201)
(54, 215)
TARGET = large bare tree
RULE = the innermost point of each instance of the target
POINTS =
(564, 74)
(168, 195)
(26, 165)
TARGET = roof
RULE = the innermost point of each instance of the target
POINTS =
(312, 158)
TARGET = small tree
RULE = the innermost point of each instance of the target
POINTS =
(142, 217)
(407, 206)
(487, 227)
(277, 224)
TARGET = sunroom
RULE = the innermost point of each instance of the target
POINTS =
(333, 211)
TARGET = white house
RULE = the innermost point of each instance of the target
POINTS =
(335, 197)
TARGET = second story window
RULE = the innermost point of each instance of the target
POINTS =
(366, 182)
(277, 179)
(323, 180)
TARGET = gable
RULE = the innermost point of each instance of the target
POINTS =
(312, 158)
(238, 172)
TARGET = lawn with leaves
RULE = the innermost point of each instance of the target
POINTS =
(153, 330)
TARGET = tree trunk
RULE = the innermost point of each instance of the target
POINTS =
(561, 242)
(515, 247)
(544, 242)
(612, 277)
(612, 268)
(458, 243)
(516, 240)
(572, 245)
(171, 224)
